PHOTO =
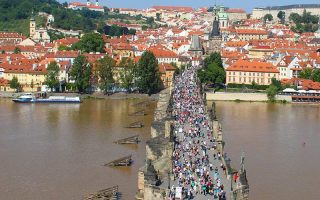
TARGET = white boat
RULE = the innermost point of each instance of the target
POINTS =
(30, 98)
(25, 98)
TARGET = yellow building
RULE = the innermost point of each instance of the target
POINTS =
(260, 52)
(30, 76)
(166, 74)
(252, 34)
(246, 72)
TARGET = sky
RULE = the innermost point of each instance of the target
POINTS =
(248, 5)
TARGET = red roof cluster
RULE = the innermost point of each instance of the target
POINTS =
(163, 67)
(174, 8)
(4, 82)
(11, 35)
(161, 52)
(254, 66)
(251, 31)
(236, 10)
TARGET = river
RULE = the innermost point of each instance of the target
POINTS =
(279, 164)
(58, 151)
(51, 151)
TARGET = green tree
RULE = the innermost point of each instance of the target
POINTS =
(52, 76)
(158, 16)
(132, 31)
(81, 73)
(212, 74)
(138, 17)
(295, 17)
(304, 23)
(105, 68)
(16, 50)
(127, 73)
(150, 21)
(254, 85)
(148, 76)
(306, 73)
(316, 75)
(281, 16)
(101, 26)
(272, 92)
(276, 83)
(213, 58)
(90, 42)
(144, 27)
(64, 48)
(268, 17)
(14, 84)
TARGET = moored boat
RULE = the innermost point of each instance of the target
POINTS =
(25, 98)
(30, 98)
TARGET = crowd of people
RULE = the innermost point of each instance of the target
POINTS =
(197, 166)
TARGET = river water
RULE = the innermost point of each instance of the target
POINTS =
(279, 164)
(58, 151)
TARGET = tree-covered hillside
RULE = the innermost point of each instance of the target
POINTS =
(15, 15)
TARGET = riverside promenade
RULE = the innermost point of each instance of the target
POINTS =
(198, 168)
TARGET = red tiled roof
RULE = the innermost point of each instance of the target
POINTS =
(163, 67)
(236, 44)
(251, 32)
(247, 66)
(66, 54)
(10, 35)
(67, 41)
(4, 82)
(174, 8)
(161, 52)
(236, 10)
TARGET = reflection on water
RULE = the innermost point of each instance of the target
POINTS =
(53, 151)
(272, 136)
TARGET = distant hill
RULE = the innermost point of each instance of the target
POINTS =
(15, 15)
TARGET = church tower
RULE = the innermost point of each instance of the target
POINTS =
(32, 26)
(215, 39)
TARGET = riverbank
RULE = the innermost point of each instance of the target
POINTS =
(246, 97)
(119, 96)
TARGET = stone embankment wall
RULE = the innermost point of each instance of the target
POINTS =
(159, 151)
(223, 96)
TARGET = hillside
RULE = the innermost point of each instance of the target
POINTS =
(15, 15)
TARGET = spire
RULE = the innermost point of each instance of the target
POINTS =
(215, 25)
(32, 17)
